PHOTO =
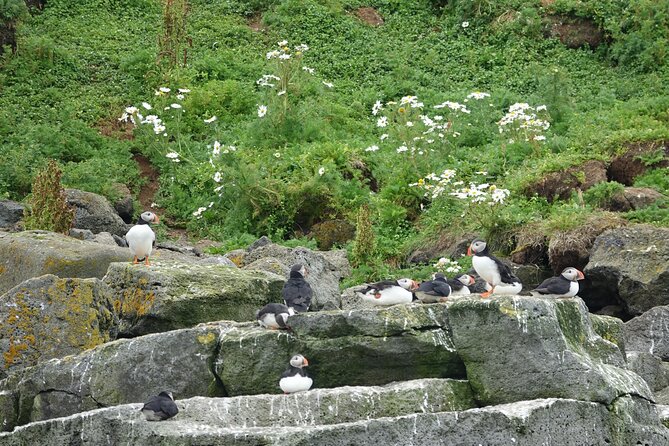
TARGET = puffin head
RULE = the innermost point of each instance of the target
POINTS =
(299, 361)
(148, 217)
(466, 279)
(476, 247)
(166, 395)
(298, 268)
(438, 276)
(407, 284)
(572, 274)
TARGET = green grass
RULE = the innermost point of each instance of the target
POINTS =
(80, 64)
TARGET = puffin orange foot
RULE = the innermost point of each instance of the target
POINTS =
(146, 262)
(135, 261)
(486, 294)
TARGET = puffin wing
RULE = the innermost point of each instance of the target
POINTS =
(384, 284)
(553, 285)
(441, 288)
(168, 407)
(455, 284)
(504, 271)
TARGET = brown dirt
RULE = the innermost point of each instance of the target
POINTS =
(625, 168)
(574, 32)
(369, 16)
(113, 128)
(7, 36)
(562, 184)
(546, 3)
(255, 23)
(148, 191)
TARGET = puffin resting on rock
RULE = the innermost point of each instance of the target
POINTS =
(274, 316)
(460, 285)
(564, 285)
(141, 237)
(498, 276)
(295, 379)
(297, 292)
(435, 290)
(389, 292)
(160, 407)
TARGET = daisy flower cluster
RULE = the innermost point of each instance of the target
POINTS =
(436, 185)
(447, 266)
(412, 129)
(522, 121)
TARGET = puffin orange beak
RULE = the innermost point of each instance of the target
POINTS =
(156, 220)
(414, 285)
(581, 276)
(305, 362)
(471, 281)
(469, 251)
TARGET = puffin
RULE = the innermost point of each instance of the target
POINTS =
(460, 285)
(564, 285)
(295, 379)
(297, 292)
(435, 290)
(492, 270)
(274, 316)
(160, 407)
(390, 292)
(141, 237)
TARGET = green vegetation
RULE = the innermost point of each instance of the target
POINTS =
(48, 208)
(438, 122)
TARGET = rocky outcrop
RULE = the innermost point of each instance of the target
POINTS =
(11, 213)
(633, 198)
(174, 294)
(541, 347)
(95, 213)
(48, 317)
(123, 371)
(651, 368)
(29, 254)
(560, 185)
(649, 332)
(630, 265)
(123, 204)
(323, 275)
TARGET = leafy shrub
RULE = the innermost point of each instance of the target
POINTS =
(600, 194)
(48, 208)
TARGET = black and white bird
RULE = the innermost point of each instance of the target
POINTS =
(435, 290)
(141, 237)
(389, 292)
(564, 285)
(274, 316)
(460, 285)
(297, 292)
(492, 270)
(160, 407)
(295, 379)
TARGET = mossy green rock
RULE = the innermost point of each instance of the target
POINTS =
(28, 254)
(123, 371)
(610, 328)
(522, 348)
(172, 294)
(47, 317)
(358, 347)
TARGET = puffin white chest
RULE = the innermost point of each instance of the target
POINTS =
(573, 289)
(390, 296)
(295, 383)
(487, 269)
(461, 292)
(140, 240)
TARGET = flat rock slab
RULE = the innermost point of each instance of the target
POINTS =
(28, 254)
(522, 348)
(630, 264)
(173, 294)
(205, 422)
(48, 317)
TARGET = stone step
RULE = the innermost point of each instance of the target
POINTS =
(205, 421)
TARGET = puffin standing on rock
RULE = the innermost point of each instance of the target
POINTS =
(460, 285)
(141, 238)
(274, 316)
(297, 292)
(498, 276)
(390, 292)
(564, 285)
(435, 290)
(160, 407)
(295, 379)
